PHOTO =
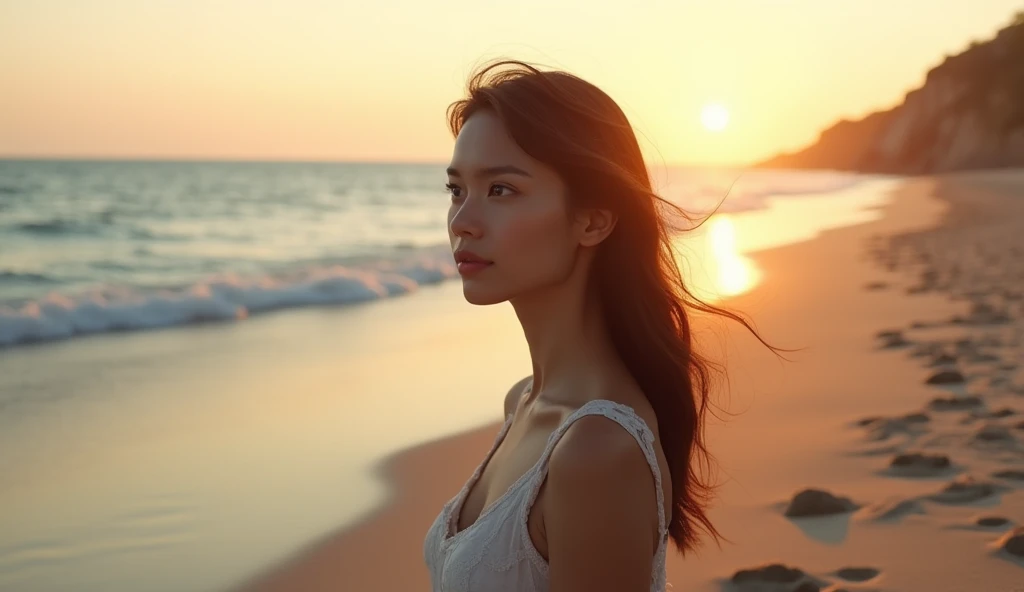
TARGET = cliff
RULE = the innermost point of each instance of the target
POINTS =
(968, 114)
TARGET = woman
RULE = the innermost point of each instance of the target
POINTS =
(593, 471)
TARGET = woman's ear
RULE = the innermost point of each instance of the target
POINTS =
(594, 225)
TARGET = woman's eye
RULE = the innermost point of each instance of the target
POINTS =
(497, 190)
(453, 189)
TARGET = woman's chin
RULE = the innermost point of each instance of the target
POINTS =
(474, 295)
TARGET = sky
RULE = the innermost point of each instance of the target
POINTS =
(369, 80)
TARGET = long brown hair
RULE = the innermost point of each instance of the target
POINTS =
(579, 131)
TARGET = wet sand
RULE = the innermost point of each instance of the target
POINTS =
(835, 418)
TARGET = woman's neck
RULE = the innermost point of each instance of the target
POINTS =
(573, 356)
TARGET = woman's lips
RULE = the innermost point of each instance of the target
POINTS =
(467, 268)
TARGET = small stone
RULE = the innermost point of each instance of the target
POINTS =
(807, 586)
(857, 574)
(1019, 426)
(1012, 474)
(946, 377)
(816, 502)
(992, 521)
(1013, 542)
(775, 572)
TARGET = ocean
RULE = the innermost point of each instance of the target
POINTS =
(158, 433)
(95, 247)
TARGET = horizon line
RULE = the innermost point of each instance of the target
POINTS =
(269, 160)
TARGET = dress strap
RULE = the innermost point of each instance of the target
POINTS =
(625, 416)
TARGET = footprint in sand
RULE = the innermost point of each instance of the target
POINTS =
(994, 414)
(891, 510)
(882, 428)
(994, 435)
(955, 403)
(775, 577)
(1010, 475)
(917, 464)
(943, 359)
(926, 350)
(965, 490)
(992, 521)
(857, 574)
(945, 377)
(983, 523)
(893, 340)
(1012, 543)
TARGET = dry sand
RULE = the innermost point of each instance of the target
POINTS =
(945, 268)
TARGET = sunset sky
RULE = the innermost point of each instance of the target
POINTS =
(370, 80)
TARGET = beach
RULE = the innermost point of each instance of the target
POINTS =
(310, 449)
(807, 423)
(236, 352)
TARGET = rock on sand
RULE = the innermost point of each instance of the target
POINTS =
(916, 464)
(817, 502)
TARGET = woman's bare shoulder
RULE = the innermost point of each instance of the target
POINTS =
(600, 518)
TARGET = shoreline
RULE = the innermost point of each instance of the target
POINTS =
(239, 456)
(223, 299)
(392, 535)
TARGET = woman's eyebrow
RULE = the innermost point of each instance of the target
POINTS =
(494, 170)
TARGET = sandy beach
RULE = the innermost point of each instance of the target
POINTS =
(236, 354)
(310, 449)
(880, 308)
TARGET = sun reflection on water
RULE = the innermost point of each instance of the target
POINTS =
(714, 265)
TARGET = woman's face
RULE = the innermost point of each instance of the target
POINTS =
(509, 212)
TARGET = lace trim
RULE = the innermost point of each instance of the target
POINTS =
(451, 523)
(622, 414)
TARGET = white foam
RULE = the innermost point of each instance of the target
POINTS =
(233, 297)
(220, 298)
(701, 191)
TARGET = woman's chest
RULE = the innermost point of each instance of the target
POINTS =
(488, 556)
(513, 463)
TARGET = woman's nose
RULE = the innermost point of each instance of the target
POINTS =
(466, 221)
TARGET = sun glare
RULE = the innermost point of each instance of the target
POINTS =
(714, 117)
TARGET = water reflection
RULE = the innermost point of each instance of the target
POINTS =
(714, 265)
(714, 257)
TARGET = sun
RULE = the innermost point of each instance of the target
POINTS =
(714, 117)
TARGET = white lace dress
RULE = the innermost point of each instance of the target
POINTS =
(495, 553)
